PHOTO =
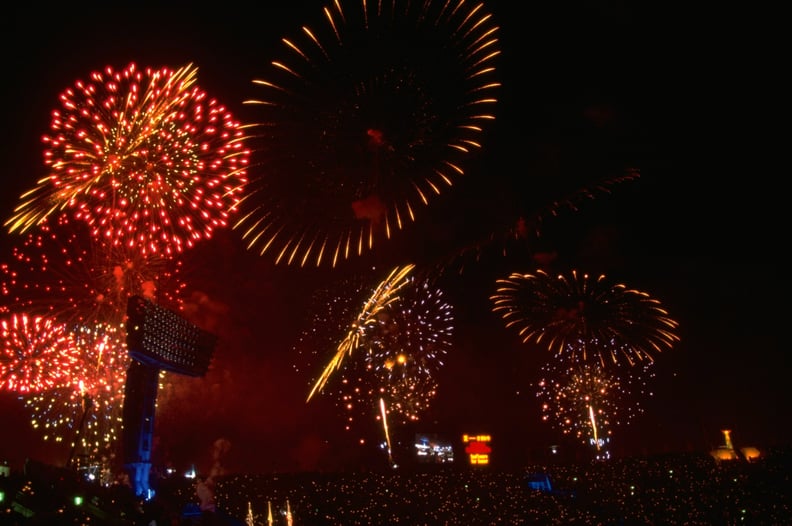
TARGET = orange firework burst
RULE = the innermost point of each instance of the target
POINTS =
(587, 401)
(365, 119)
(586, 316)
(144, 157)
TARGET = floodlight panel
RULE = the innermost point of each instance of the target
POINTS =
(161, 338)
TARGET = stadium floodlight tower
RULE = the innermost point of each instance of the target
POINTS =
(157, 339)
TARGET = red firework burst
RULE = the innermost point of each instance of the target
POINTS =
(144, 157)
(36, 354)
(586, 316)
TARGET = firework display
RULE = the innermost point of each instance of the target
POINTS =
(398, 358)
(386, 292)
(36, 355)
(379, 107)
(59, 272)
(388, 360)
(369, 144)
(586, 316)
(143, 156)
(587, 401)
(86, 413)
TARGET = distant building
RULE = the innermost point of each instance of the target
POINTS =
(726, 451)
(750, 453)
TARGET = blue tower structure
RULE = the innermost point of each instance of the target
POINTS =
(157, 339)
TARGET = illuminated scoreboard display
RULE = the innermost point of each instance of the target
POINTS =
(477, 448)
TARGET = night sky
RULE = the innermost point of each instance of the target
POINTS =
(588, 92)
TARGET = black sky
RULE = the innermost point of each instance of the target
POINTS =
(588, 90)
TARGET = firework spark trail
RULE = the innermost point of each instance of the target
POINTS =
(384, 416)
(568, 312)
(386, 292)
(593, 420)
(381, 106)
(143, 157)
